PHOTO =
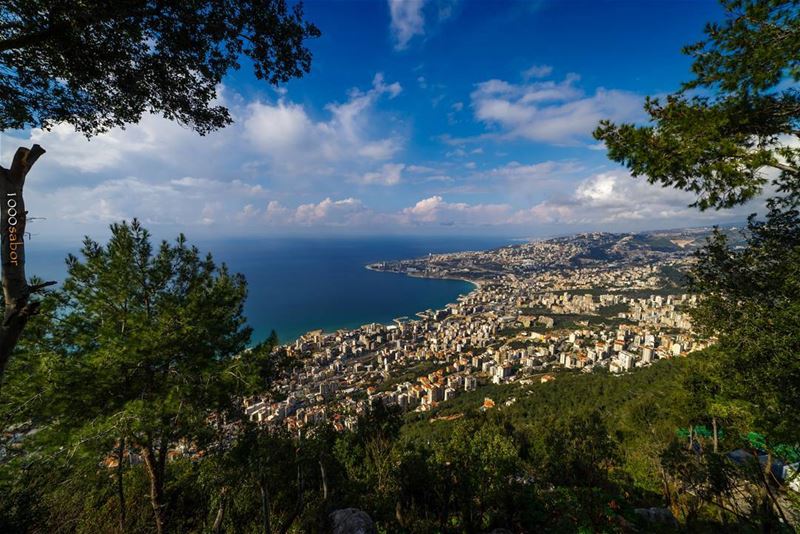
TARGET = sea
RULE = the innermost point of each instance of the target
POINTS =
(299, 284)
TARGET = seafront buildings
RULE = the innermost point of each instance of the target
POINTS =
(581, 304)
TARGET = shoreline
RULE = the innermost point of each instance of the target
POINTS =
(476, 285)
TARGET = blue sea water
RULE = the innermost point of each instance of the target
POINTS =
(299, 284)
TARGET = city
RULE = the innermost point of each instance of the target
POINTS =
(588, 302)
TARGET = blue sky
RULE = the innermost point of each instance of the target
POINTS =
(419, 117)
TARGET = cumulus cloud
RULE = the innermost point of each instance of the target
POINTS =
(389, 174)
(267, 138)
(274, 209)
(328, 212)
(247, 212)
(164, 173)
(436, 210)
(616, 197)
(155, 147)
(353, 213)
(549, 111)
(287, 134)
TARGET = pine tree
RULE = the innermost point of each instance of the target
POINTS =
(145, 338)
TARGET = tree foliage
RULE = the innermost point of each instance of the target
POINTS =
(104, 63)
(733, 129)
(137, 354)
(729, 135)
(752, 303)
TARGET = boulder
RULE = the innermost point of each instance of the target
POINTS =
(352, 521)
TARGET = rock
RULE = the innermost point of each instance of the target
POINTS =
(662, 516)
(352, 521)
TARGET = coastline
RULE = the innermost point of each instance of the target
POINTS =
(476, 285)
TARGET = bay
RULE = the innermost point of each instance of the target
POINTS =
(298, 284)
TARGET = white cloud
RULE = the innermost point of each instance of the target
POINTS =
(287, 134)
(280, 127)
(528, 181)
(389, 174)
(408, 21)
(179, 202)
(436, 210)
(615, 197)
(328, 212)
(534, 172)
(352, 213)
(380, 86)
(191, 185)
(549, 111)
(72, 151)
(155, 146)
(167, 175)
(275, 212)
(420, 169)
(537, 71)
(409, 18)
(380, 149)
(438, 178)
(247, 212)
(210, 210)
(281, 140)
(456, 153)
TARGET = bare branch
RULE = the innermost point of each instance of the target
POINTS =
(784, 167)
(38, 287)
(22, 163)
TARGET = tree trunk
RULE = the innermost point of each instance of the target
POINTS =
(120, 485)
(301, 485)
(324, 480)
(667, 491)
(398, 513)
(716, 439)
(298, 509)
(217, 528)
(16, 291)
(265, 506)
(766, 475)
(155, 472)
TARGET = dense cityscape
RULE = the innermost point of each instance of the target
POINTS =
(612, 302)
